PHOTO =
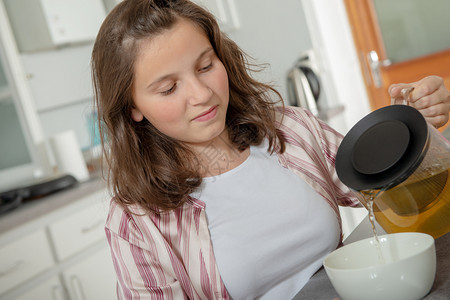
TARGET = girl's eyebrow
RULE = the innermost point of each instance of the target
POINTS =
(205, 52)
(162, 78)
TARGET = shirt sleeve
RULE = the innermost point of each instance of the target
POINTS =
(316, 145)
(141, 274)
(330, 140)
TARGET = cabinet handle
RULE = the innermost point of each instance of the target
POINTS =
(12, 268)
(77, 287)
(90, 228)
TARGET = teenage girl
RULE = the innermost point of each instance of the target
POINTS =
(218, 190)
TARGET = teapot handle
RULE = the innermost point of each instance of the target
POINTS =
(405, 95)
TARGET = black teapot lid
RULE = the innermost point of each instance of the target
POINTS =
(383, 148)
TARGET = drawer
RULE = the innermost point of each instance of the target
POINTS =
(78, 231)
(51, 289)
(23, 259)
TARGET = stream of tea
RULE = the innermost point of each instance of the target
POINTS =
(370, 197)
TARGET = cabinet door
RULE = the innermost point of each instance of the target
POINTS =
(63, 19)
(79, 230)
(43, 24)
(58, 78)
(23, 259)
(92, 279)
(50, 290)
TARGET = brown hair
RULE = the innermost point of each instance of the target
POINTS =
(147, 167)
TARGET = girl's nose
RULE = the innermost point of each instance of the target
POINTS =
(199, 92)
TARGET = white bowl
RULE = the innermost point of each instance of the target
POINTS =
(357, 272)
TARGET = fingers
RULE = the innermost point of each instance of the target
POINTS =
(438, 121)
(394, 90)
(434, 105)
(423, 87)
(430, 97)
(437, 115)
(436, 98)
(430, 90)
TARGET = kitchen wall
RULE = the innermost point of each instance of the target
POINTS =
(274, 33)
(333, 42)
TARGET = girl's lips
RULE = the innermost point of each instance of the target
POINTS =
(208, 115)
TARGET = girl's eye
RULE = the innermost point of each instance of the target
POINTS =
(169, 91)
(206, 68)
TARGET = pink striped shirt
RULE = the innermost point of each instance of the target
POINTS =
(170, 255)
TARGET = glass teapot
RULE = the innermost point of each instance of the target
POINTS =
(394, 158)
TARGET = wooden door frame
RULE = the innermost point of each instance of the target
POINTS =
(367, 36)
(362, 12)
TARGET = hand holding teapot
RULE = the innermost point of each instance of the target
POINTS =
(429, 96)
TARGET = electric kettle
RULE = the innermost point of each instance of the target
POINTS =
(394, 158)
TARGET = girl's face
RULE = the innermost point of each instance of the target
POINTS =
(181, 86)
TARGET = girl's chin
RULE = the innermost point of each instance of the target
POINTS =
(219, 135)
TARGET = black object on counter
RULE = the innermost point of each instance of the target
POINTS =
(14, 198)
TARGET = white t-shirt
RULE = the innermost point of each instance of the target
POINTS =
(269, 229)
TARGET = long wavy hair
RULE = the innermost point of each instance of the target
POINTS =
(145, 166)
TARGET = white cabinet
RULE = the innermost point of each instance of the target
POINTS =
(44, 24)
(23, 259)
(82, 279)
(51, 289)
(55, 76)
(65, 257)
(76, 232)
(73, 20)
(59, 77)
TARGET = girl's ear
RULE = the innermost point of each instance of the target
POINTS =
(136, 115)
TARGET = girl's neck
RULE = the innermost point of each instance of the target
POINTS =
(219, 156)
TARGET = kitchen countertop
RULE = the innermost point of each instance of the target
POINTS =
(31, 210)
(319, 286)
